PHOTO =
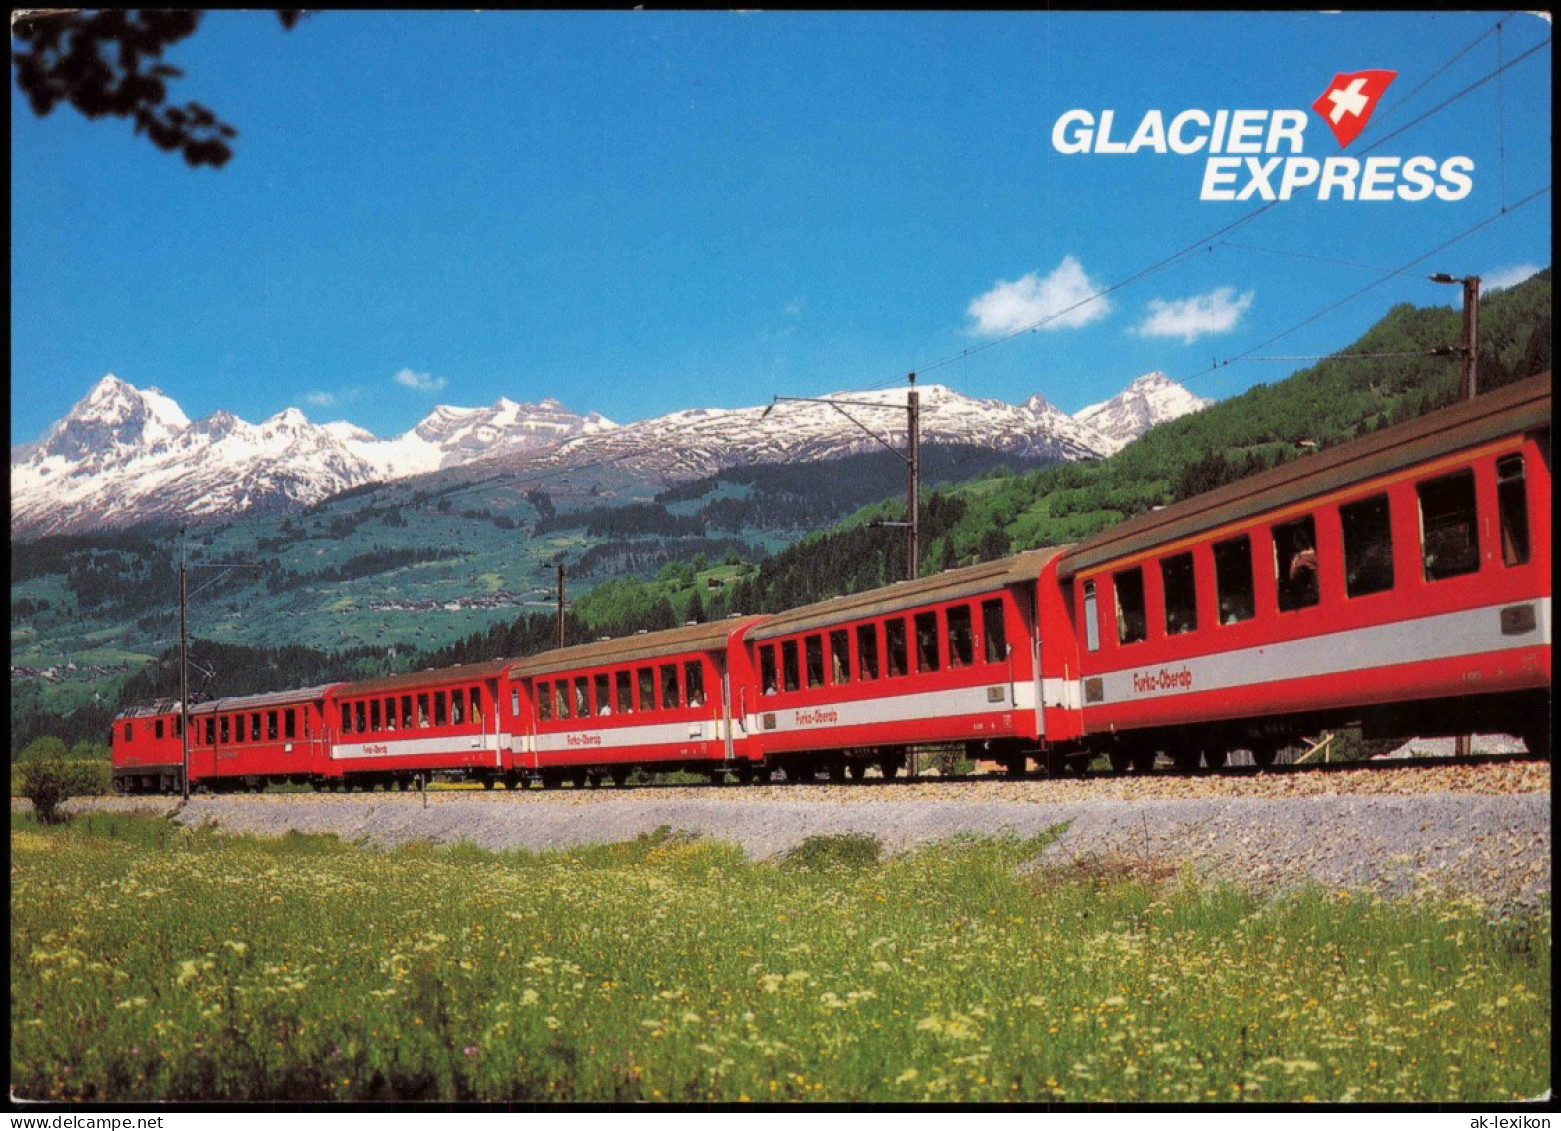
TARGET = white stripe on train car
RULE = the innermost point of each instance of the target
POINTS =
(963, 702)
(1448, 636)
(414, 747)
(630, 736)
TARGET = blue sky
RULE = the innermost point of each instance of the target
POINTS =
(640, 212)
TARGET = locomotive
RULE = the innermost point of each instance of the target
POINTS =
(1399, 582)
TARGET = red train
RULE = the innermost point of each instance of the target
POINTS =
(1400, 582)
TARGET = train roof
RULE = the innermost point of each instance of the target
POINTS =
(711, 637)
(950, 585)
(148, 710)
(261, 701)
(429, 677)
(1513, 408)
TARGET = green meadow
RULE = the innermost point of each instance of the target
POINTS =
(154, 962)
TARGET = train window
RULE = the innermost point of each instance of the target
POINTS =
(544, 702)
(561, 699)
(1091, 615)
(1449, 543)
(254, 727)
(290, 723)
(767, 678)
(994, 630)
(458, 706)
(894, 645)
(211, 731)
(157, 728)
(582, 697)
(926, 641)
(1233, 580)
(1368, 546)
(669, 687)
(178, 726)
(1295, 563)
(1132, 620)
(390, 713)
(813, 649)
(867, 650)
(226, 730)
(422, 710)
(625, 684)
(359, 718)
(1181, 594)
(840, 656)
(647, 689)
(962, 649)
(375, 721)
(238, 728)
(406, 712)
(1512, 502)
(271, 732)
(694, 682)
(475, 714)
(441, 715)
(514, 702)
(129, 731)
(603, 693)
(789, 671)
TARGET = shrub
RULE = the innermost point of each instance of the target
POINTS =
(50, 782)
(855, 851)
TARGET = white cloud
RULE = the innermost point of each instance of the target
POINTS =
(1191, 318)
(422, 382)
(1504, 277)
(321, 400)
(1061, 298)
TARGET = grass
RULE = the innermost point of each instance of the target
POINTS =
(155, 962)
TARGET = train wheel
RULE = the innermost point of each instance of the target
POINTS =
(594, 779)
(620, 778)
(858, 770)
(1144, 760)
(487, 783)
(1187, 758)
(578, 777)
(1015, 767)
(1120, 759)
(510, 781)
(890, 767)
(837, 770)
(1537, 738)
(1264, 751)
(745, 773)
(551, 781)
(1215, 757)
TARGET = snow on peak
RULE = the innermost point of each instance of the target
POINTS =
(1151, 399)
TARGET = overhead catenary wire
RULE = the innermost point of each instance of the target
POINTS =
(1331, 307)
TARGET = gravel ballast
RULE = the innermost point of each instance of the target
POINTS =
(1481, 832)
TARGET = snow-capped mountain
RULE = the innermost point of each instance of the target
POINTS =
(703, 441)
(124, 455)
(1152, 399)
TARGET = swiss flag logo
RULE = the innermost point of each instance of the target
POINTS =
(1348, 102)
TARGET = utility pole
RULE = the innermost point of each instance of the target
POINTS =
(913, 479)
(184, 677)
(560, 604)
(184, 653)
(1468, 387)
(1467, 384)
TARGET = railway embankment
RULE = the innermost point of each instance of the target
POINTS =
(1480, 831)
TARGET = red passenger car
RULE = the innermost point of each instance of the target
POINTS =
(391, 731)
(1400, 581)
(855, 681)
(656, 700)
(249, 741)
